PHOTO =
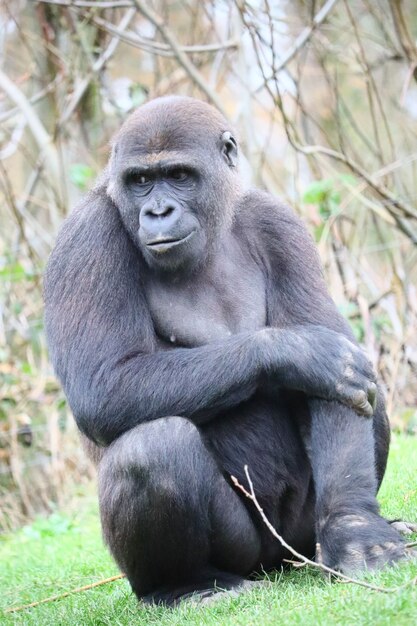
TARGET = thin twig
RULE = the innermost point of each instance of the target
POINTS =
(303, 559)
(15, 609)
(155, 47)
(398, 209)
(91, 4)
(301, 40)
(39, 132)
(180, 55)
(32, 100)
(98, 65)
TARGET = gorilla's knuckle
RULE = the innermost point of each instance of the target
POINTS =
(355, 521)
(341, 388)
(360, 398)
(348, 357)
(377, 551)
(349, 373)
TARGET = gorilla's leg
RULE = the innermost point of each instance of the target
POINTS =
(348, 456)
(171, 521)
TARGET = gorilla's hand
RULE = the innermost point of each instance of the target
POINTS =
(323, 363)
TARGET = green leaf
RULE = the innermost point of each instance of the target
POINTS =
(26, 368)
(317, 191)
(14, 272)
(81, 174)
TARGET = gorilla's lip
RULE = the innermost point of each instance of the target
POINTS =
(166, 243)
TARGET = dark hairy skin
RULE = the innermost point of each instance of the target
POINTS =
(192, 331)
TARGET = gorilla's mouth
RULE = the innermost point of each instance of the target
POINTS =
(167, 243)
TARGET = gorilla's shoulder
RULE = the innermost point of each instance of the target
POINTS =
(274, 231)
(92, 233)
(95, 216)
(268, 212)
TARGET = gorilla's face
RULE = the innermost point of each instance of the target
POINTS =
(170, 233)
(173, 182)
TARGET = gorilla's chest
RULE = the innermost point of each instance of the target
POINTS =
(229, 300)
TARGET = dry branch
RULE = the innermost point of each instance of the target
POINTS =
(155, 47)
(98, 65)
(301, 40)
(39, 132)
(91, 4)
(15, 609)
(181, 56)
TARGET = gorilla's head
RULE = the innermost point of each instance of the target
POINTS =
(173, 178)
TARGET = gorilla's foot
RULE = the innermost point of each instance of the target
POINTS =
(403, 527)
(201, 591)
(360, 540)
(215, 595)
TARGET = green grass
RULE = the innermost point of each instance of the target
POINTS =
(65, 551)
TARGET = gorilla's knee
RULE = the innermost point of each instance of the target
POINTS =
(147, 446)
(150, 464)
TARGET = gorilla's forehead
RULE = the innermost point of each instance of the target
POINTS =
(156, 159)
(154, 144)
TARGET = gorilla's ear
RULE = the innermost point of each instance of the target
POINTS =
(229, 148)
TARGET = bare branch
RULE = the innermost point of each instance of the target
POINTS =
(59, 596)
(11, 146)
(39, 132)
(180, 54)
(304, 560)
(397, 208)
(100, 4)
(155, 47)
(32, 100)
(406, 39)
(98, 65)
(301, 40)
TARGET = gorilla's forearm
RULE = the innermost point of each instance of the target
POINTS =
(191, 382)
(199, 382)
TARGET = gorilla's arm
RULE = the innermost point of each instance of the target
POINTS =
(104, 349)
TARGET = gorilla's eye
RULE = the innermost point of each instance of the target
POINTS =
(178, 174)
(138, 178)
(141, 179)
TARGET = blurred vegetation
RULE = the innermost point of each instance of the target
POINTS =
(324, 97)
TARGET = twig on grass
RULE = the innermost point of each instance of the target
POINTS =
(15, 609)
(304, 560)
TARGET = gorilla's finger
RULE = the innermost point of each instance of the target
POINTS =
(372, 395)
(360, 403)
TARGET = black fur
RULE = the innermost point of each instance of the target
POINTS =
(172, 292)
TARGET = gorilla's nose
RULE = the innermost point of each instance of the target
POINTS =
(159, 216)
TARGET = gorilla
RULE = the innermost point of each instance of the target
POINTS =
(190, 326)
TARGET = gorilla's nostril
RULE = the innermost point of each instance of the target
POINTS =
(167, 211)
(161, 211)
